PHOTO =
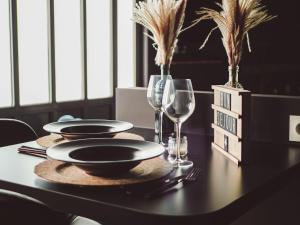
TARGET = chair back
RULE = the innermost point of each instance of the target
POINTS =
(14, 131)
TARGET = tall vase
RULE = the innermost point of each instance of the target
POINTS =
(233, 79)
(165, 74)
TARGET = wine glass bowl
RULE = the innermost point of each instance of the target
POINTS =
(154, 96)
(155, 91)
(178, 103)
(181, 109)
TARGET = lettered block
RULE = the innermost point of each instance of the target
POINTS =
(231, 122)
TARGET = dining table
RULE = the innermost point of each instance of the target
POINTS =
(223, 191)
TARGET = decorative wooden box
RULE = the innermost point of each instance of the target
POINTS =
(231, 122)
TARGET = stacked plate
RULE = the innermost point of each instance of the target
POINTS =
(87, 128)
(105, 156)
(96, 154)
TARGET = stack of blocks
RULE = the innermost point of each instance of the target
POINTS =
(231, 122)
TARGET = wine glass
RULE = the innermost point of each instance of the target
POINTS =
(178, 104)
(154, 95)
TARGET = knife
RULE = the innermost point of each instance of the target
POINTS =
(165, 186)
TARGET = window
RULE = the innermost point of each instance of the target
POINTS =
(68, 50)
(99, 55)
(33, 51)
(5, 63)
(62, 50)
(126, 40)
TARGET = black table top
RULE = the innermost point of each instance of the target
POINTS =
(222, 193)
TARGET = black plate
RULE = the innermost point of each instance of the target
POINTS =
(105, 156)
(87, 128)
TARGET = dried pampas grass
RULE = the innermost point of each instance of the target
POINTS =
(164, 19)
(235, 20)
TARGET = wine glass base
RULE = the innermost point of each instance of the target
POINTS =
(182, 163)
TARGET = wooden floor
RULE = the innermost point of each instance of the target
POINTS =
(281, 209)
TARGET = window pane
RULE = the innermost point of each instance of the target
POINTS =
(98, 48)
(126, 48)
(5, 63)
(68, 61)
(33, 51)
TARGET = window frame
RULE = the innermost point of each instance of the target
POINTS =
(51, 59)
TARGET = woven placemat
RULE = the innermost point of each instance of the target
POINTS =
(64, 173)
(53, 139)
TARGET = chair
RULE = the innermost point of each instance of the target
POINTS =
(16, 132)
(17, 209)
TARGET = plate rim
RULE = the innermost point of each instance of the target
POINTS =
(160, 151)
(130, 126)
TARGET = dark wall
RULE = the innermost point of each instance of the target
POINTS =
(269, 114)
(273, 67)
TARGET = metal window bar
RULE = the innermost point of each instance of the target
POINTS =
(84, 49)
(51, 52)
(16, 110)
(114, 48)
(14, 53)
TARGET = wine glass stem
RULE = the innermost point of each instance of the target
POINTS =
(178, 128)
(158, 125)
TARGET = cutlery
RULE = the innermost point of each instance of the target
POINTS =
(167, 184)
(34, 154)
(28, 150)
(189, 177)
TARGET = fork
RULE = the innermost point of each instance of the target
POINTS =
(189, 177)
